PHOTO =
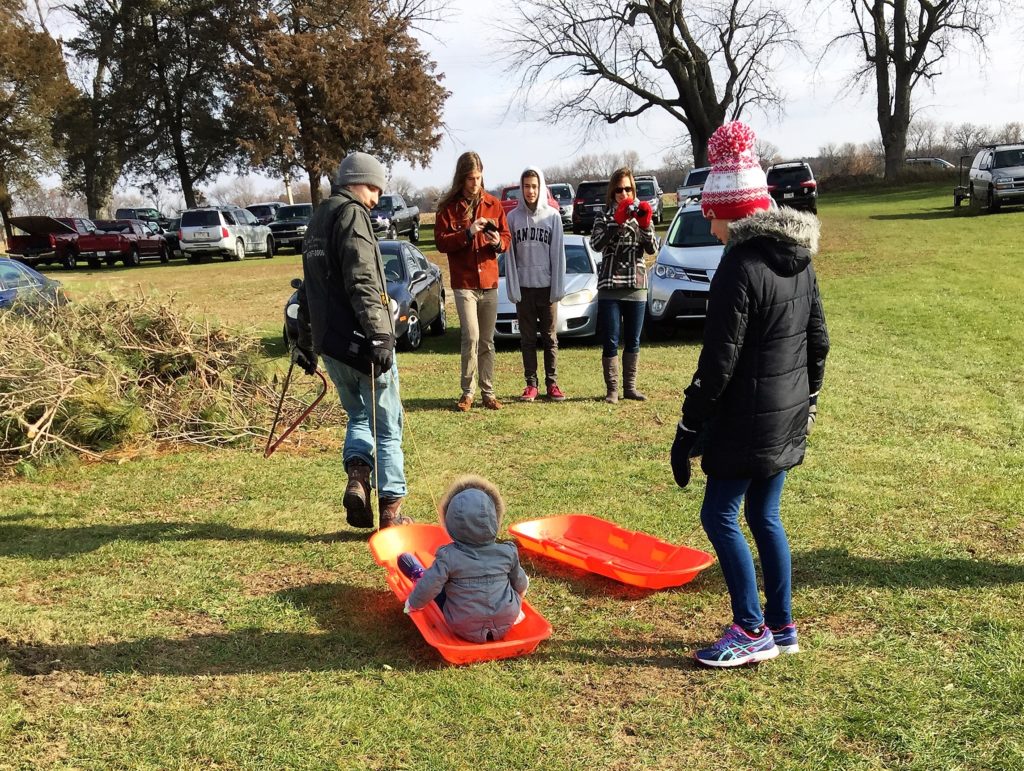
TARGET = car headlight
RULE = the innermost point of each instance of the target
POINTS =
(583, 297)
(668, 271)
(300, 229)
(1003, 181)
(292, 311)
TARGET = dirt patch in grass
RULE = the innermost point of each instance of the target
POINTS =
(284, 577)
(188, 623)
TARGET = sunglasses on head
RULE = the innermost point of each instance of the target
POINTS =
(622, 190)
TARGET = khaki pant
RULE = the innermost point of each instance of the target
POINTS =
(478, 311)
(537, 313)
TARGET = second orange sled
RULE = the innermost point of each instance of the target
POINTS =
(423, 541)
(602, 547)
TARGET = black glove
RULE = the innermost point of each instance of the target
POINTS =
(812, 413)
(681, 449)
(305, 359)
(382, 354)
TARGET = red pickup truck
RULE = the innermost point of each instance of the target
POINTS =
(64, 240)
(137, 242)
(510, 199)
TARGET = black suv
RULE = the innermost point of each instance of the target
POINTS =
(591, 199)
(289, 225)
(793, 185)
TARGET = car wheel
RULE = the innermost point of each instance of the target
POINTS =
(95, 263)
(413, 337)
(239, 250)
(392, 232)
(270, 247)
(993, 202)
(133, 258)
(69, 261)
(414, 234)
(440, 324)
(164, 255)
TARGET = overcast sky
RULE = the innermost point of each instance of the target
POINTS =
(816, 112)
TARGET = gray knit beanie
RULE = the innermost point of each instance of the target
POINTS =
(361, 169)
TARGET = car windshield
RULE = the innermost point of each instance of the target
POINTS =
(697, 177)
(261, 211)
(691, 229)
(1005, 158)
(205, 218)
(111, 226)
(793, 175)
(512, 194)
(384, 203)
(577, 260)
(13, 275)
(595, 193)
(560, 192)
(391, 255)
(173, 224)
(645, 189)
(295, 212)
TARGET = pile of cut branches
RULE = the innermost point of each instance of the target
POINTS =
(100, 375)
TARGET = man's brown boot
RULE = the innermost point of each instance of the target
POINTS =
(611, 378)
(391, 513)
(358, 507)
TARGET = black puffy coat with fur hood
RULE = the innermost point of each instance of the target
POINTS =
(765, 343)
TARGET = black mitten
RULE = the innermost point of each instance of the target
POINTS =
(680, 455)
(382, 354)
(304, 358)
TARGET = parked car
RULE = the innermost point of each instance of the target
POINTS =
(417, 296)
(171, 237)
(137, 242)
(265, 213)
(144, 213)
(510, 198)
(648, 189)
(289, 226)
(391, 218)
(563, 193)
(692, 186)
(577, 310)
(680, 278)
(590, 201)
(792, 184)
(997, 176)
(935, 163)
(20, 283)
(227, 231)
(63, 240)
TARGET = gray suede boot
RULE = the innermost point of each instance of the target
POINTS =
(611, 378)
(629, 362)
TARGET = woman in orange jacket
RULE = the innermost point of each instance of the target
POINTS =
(471, 229)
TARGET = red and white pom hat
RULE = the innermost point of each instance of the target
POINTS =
(736, 186)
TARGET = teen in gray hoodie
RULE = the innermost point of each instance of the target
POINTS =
(535, 278)
(482, 580)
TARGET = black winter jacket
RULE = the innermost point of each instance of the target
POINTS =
(343, 300)
(765, 343)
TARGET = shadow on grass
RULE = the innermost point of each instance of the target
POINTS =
(362, 629)
(667, 654)
(835, 567)
(273, 345)
(934, 214)
(57, 542)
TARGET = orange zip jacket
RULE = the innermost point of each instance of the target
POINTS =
(473, 264)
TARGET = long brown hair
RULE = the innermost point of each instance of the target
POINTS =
(468, 163)
(618, 174)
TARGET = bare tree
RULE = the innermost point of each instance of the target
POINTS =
(903, 42)
(767, 152)
(966, 138)
(403, 186)
(604, 61)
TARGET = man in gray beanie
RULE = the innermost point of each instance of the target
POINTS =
(345, 318)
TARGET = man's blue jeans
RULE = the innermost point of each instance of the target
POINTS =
(720, 517)
(620, 319)
(388, 462)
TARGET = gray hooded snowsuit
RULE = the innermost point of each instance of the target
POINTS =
(482, 579)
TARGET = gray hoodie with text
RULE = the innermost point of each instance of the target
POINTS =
(536, 257)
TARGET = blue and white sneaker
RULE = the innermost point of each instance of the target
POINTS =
(785, 638)
(737, 648)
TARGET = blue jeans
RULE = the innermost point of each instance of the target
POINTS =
(720, 517)
(617, 318)
(356, 396)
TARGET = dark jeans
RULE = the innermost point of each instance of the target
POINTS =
(536, 314)
(617, 318)
(720, 517)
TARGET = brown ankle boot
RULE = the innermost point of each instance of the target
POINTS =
(611, 378)
(391, 513)
(358, 507)
(629, 365)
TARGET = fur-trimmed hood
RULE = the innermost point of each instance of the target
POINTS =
(795, 234)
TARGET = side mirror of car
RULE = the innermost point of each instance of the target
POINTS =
(296, 283)
(419, 275)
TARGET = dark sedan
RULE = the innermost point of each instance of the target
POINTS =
(19, 283)
(414, 286)
(289, 225)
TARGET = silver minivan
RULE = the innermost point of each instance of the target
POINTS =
(227, 231)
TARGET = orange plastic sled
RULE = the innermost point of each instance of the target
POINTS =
(604, 548)
(424, 541)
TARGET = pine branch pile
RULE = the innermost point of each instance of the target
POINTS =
(99, 375)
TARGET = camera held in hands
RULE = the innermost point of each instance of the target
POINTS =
(490, 227)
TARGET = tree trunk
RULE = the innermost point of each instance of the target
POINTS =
(699, 145)
(314, 185)
(894, 133)
(5, 211)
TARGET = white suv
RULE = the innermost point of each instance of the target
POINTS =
(228, 231)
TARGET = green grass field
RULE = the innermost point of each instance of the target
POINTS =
(194, 609)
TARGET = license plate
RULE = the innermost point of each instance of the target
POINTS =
(515, 327)
(101, 254)
(203, 234)
(788, 195)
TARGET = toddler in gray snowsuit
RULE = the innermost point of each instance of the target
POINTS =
(481, 579)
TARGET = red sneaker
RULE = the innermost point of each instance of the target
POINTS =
(529, 394)
(555, 393)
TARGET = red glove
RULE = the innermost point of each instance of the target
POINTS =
(622, 212)
(644, 215)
